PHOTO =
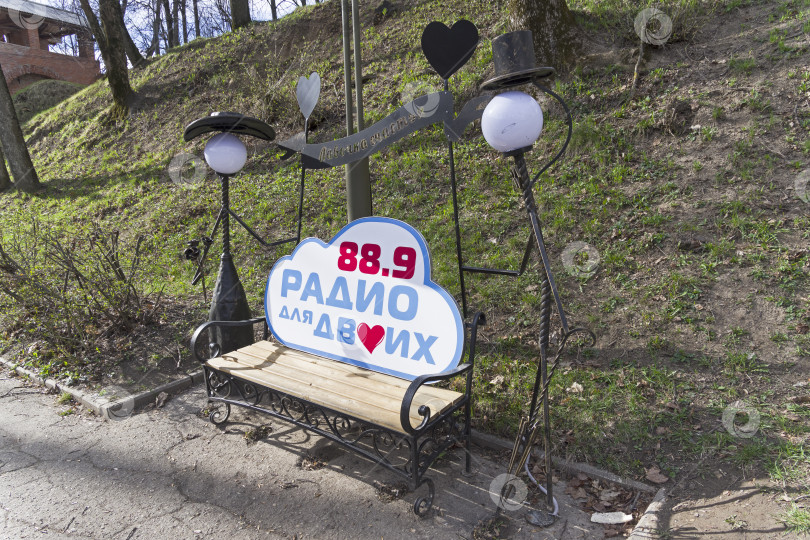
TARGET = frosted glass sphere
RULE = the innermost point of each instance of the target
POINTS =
(225, 153)
(512, 120)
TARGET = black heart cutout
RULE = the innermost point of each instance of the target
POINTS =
(447, 49)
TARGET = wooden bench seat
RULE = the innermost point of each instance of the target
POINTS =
(361, 393)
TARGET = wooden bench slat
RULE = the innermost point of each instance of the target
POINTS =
(365, 380)
(364, 394)
(318, 383)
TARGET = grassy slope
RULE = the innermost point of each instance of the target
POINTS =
(675, 342)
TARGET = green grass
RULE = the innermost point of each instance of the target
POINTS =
(41, 96)
(742, 65)
(796, 519)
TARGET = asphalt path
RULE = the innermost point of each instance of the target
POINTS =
(170, 473)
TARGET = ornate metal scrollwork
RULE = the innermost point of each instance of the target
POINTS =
(422, 505)
(219, 384)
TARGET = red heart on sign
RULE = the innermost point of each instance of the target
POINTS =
(370, 336)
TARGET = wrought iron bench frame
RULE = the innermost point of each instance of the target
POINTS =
(424, 443)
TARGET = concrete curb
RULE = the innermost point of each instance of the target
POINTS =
(497, 443)
(105, 408)
(647, 525)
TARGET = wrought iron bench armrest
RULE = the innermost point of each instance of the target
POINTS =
(424, 410)
(214, 347)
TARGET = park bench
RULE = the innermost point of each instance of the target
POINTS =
(355, 333)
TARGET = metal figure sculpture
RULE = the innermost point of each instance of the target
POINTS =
(228, 302)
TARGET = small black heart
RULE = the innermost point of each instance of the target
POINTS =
(447, 49)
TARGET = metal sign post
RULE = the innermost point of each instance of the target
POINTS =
(358, 183)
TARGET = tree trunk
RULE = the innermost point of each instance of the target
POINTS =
(134, 55)
(112, 44)
(176, 24)
(240, 13)
(167, 15)
(196, 18)
(273, 10)
(13, 144)
(185, 22)
(5, 179)
(553, 28)
(154, 47)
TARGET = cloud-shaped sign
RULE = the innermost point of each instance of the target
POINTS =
(366, 298)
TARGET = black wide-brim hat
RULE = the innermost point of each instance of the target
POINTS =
(229, 122)
(515, 63)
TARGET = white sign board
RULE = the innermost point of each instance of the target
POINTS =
(366, 298)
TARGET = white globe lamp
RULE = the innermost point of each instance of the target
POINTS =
(225, 153)
(512, 121)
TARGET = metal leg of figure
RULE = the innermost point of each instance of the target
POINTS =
(521, 176)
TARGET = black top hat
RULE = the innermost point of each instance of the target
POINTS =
(513, 56)
(229, 122)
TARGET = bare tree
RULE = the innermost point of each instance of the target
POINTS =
(196, 18)
(175, 22)
(552, 26)
(185, 22)
(168, 17)
(154, 44)
(134, 55)
(13, 145)
(112, 44)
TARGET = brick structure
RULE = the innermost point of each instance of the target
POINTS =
(27, 30)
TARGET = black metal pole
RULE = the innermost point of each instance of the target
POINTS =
(225, 215)
(301, 189)
(455, 219)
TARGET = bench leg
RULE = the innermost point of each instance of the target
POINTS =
(423, 504)
(220, 412)
(467, 438)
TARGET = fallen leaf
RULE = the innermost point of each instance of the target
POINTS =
(654, 475)
(161, 399)
(575, 388)
(608, 495)
(578, 493)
